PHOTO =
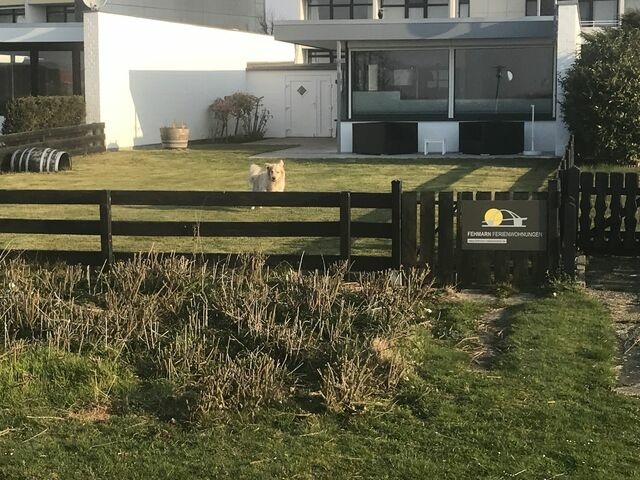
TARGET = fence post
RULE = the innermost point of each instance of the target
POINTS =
(106, 237)
(345, 226)
(446, 239)
(409, 229)
(570, 222)
(553, 224)
(428, 230)
(396, 224)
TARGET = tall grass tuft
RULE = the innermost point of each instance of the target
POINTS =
(226, 336)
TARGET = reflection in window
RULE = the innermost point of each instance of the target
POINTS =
(61, 13)
(398, 9)
(55, 73)
(547, 8)
(464, 9)
(504, 80)
(339, 9)
(599, 11)
(15, 77)
(414, 82)
(11, 15)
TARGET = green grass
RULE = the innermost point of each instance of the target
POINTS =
(225, 168)
(602, 167)
(544, 409)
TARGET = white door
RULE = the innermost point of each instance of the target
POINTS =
(309, 106)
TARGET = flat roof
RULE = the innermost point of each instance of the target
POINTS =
(325, 33)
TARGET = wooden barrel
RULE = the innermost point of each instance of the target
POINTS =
(39, 159)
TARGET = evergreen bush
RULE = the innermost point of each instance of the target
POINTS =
(602, 95)
(26, 114)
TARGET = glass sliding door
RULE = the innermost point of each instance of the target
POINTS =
(400, 83)
(504, 81)
(55, 72)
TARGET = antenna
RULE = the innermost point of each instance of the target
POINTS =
(95, 5)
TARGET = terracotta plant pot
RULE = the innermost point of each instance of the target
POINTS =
(174, 137)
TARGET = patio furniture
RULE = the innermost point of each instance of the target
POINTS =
(491, 137)
(442, 142)
(385, 138)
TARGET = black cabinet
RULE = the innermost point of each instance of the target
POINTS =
(495, 138)
(386, 138)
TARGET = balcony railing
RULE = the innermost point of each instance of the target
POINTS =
(600, 23)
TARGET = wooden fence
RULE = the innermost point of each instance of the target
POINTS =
(79, 139)
(601, 212)
(424, 229)
(106, 228)
(432, 236)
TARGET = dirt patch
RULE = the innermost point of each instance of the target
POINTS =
(493, 327)
(91, 415)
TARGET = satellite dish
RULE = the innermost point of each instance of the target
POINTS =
(95, 5)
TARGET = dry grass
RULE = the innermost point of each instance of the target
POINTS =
(187, 339)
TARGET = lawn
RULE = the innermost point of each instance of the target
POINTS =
(225, 168)
(542, 407)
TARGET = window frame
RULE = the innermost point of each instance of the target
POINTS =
(591, 20)
(452, 116)
(331, 4)
(68, 11)
(424, 4)
(14, 12)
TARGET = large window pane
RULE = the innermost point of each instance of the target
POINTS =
(504, 80)
(408, 82)
(55, 73)
(15, 77)
(605, 10)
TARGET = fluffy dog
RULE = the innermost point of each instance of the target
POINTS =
(270, 178)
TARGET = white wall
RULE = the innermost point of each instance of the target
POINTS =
(545, 136)
(272, 86)
(569, 40)
(141, 74)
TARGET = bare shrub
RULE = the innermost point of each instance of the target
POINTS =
(231, 335)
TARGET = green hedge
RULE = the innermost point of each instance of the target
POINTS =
(27, 114)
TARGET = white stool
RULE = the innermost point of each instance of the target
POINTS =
(442, 142)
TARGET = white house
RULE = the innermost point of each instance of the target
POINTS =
(440, 63)
(333, 63)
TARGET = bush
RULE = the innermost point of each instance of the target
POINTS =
(602, 96)
(248, 112)
(27, 114)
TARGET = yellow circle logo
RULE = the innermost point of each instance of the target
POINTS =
(493, 217)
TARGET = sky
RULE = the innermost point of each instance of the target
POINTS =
(282, 9)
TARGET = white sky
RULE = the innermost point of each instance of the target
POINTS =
(282, 9)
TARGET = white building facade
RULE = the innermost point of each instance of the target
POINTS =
(442, 62)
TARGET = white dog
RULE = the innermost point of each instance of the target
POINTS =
(270, 178)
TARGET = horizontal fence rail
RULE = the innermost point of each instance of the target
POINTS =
(78, 139)
(343, 228)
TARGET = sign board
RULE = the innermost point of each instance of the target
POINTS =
(514, 225)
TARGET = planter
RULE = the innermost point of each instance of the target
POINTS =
(174, 137)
